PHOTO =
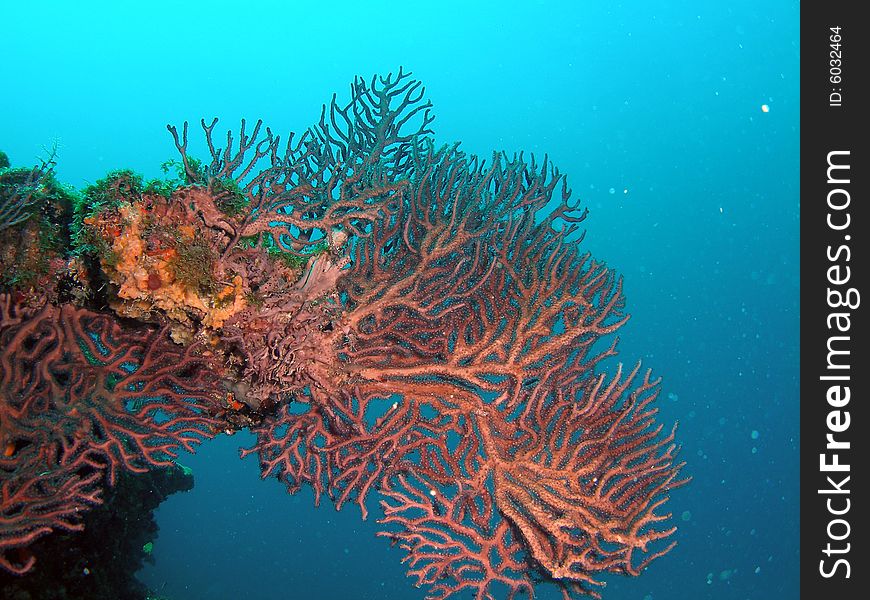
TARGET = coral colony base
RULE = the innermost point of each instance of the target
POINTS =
(395, 321)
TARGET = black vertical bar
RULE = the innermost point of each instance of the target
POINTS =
(835, 364)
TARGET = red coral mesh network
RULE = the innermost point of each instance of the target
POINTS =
(447, 357)
(506, 453)
(83, 397)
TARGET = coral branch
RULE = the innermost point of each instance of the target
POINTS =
(17, 201)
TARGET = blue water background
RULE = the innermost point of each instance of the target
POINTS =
(652, 108)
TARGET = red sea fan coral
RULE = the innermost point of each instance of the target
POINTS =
(83, 397)
(502, 449)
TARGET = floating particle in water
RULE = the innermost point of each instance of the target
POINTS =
(612, 190)
(673, 397)
(765, 108)
(686, 516)
(754, 435)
